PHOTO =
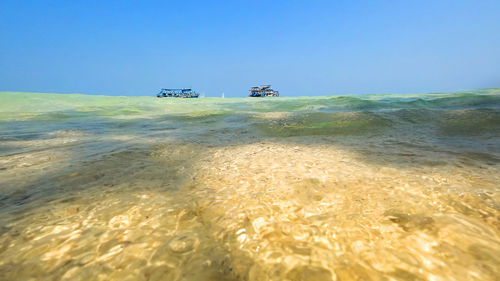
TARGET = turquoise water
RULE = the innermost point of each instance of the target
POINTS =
(365, 187)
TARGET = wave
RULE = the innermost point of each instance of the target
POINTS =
(459, 122)
(469, 113)
(436, 101)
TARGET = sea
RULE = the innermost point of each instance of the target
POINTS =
(356, 187)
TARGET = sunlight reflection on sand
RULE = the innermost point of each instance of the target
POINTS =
(264, 211)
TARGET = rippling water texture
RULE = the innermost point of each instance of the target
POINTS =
(377, 187)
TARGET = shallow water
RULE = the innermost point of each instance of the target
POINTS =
(376, 187)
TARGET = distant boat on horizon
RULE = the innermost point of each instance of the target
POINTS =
(177, 93)
(263, 91)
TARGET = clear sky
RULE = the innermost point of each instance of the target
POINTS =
(300, 47)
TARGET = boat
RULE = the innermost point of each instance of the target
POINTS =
(177, 93)
(263, 91)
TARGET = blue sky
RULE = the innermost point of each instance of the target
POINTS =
(300, 47)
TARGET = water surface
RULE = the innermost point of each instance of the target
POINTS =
(371, 187)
